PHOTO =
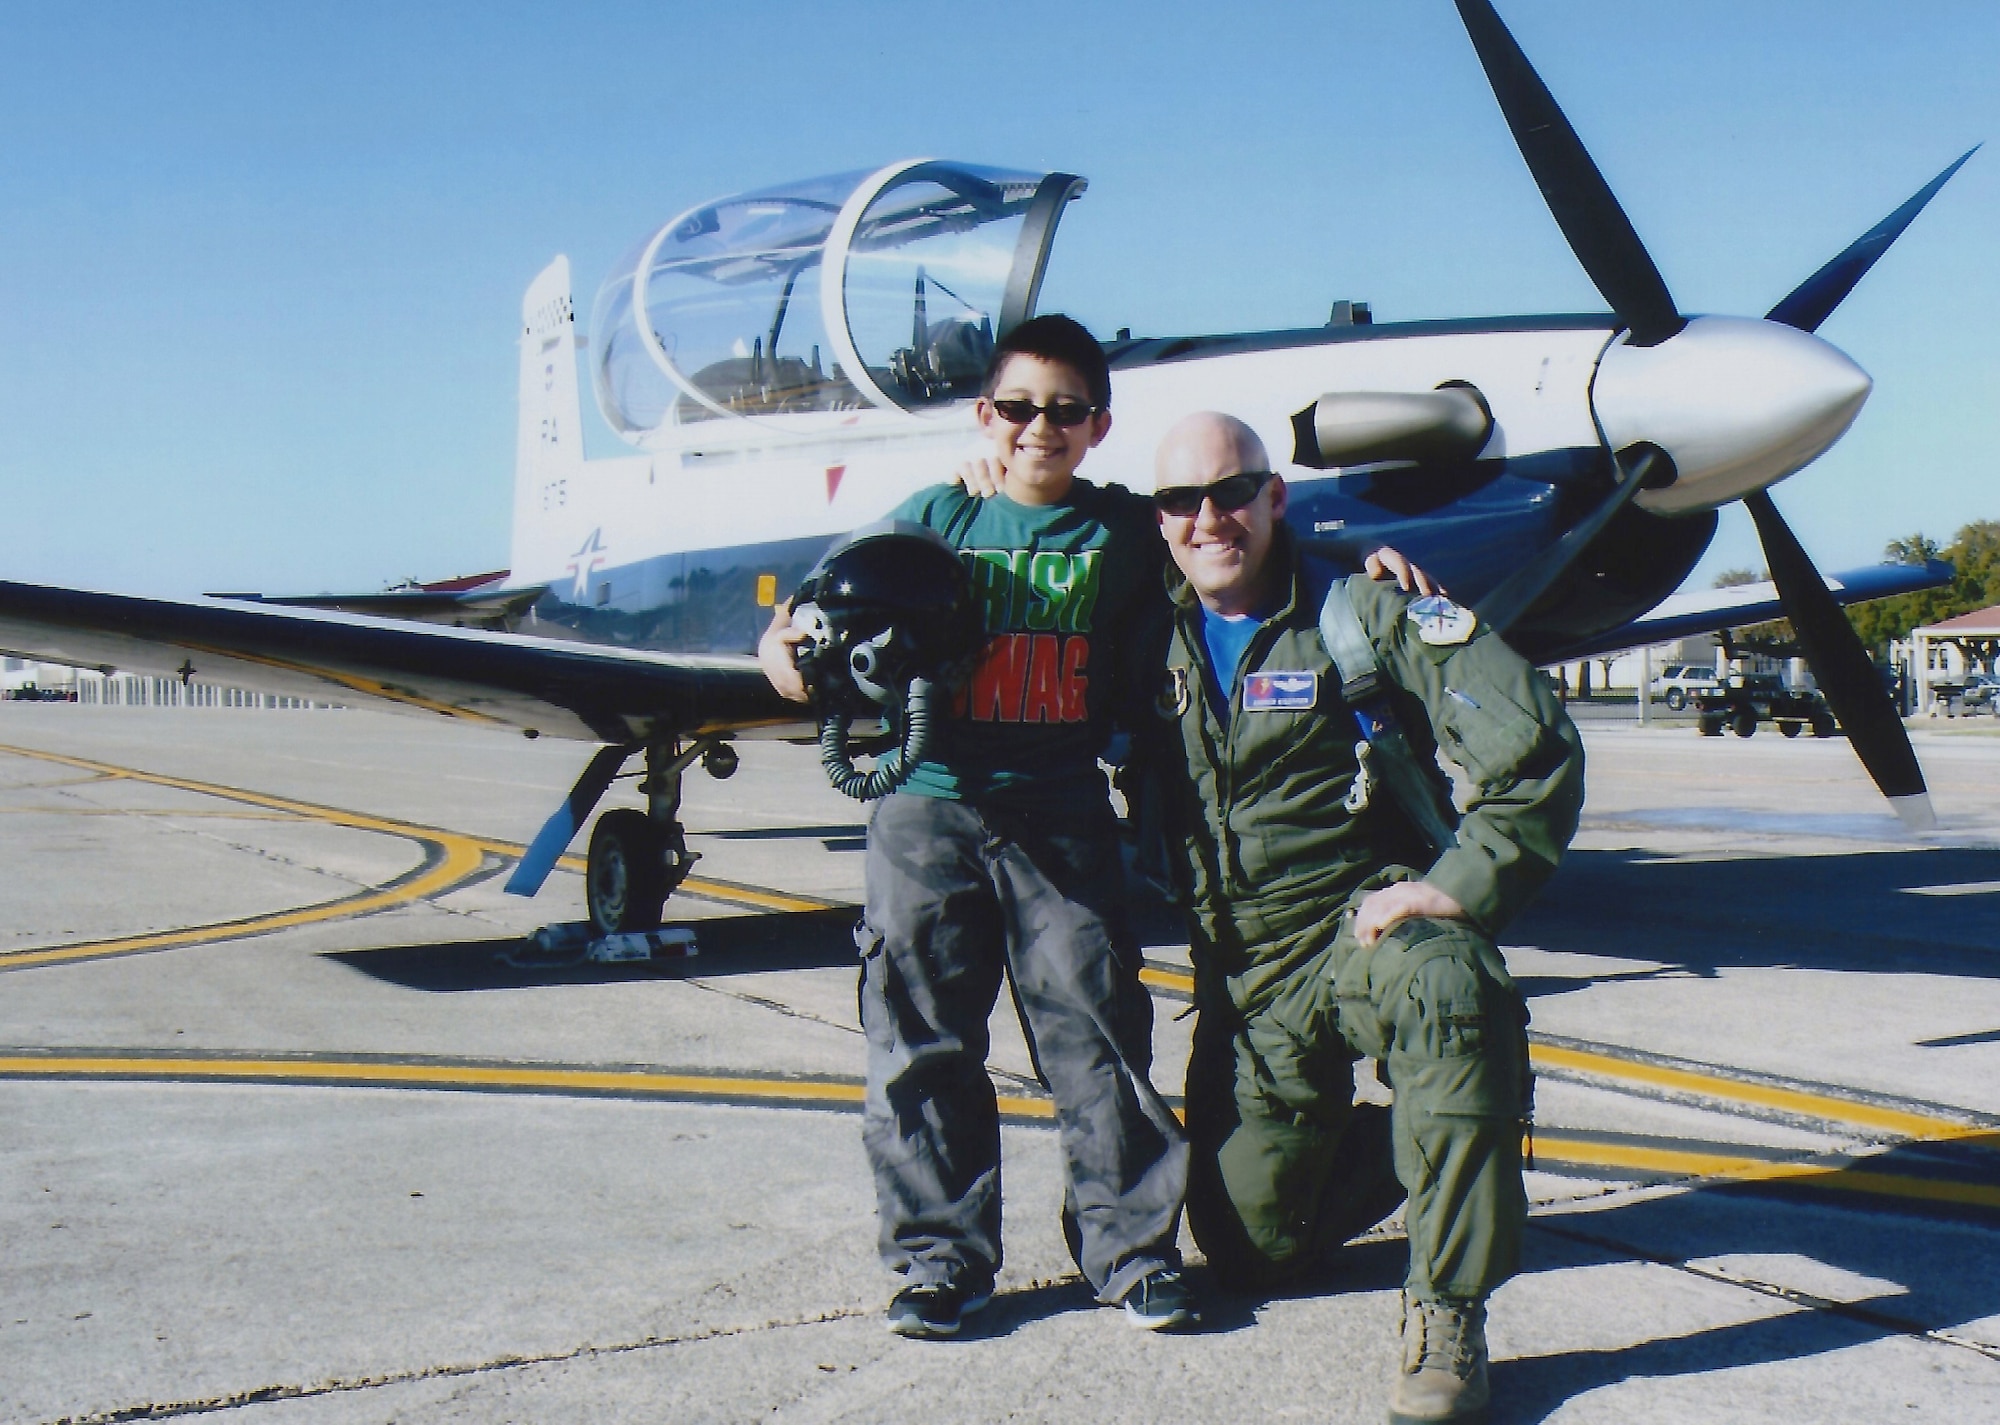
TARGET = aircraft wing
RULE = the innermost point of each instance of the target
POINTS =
(496, 610)
(1707, 610)
(540, 685)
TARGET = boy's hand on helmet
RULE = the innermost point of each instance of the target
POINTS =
(777, 654)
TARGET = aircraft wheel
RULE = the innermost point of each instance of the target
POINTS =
(1791, 729)
(626, 883)
(1675, 700)
(1744, 724)
(1710, 725)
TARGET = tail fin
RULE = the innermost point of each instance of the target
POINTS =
(548, 454)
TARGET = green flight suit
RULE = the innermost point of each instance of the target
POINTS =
(1274, 863)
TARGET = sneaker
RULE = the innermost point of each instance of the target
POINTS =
(934, 1308)
(1159, 1301)
(1443, 1378)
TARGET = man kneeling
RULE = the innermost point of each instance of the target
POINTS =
(1325, 927)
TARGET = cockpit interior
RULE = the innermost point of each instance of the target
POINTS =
(878, 289)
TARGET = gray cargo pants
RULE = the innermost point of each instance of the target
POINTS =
(959, 895)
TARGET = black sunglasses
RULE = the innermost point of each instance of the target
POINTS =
(1231, 492)
(1060, 412)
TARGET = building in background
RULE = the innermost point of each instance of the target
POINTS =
(1937, 659)
(22, 680)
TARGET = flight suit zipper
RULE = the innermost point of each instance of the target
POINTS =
(1254, 654)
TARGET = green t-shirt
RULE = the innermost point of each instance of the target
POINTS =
(1076, 612)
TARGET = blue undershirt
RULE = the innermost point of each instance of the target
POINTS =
(1228, 638)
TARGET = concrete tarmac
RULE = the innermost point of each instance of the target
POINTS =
(284, 1137)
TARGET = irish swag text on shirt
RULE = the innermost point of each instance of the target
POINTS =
(1037, 607)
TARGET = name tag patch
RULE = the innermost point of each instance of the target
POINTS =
(1280, 692)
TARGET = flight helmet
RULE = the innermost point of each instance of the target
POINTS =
(889, 604)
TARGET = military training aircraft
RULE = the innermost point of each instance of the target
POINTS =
(790, 363)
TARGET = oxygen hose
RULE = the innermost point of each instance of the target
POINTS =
(893, 769)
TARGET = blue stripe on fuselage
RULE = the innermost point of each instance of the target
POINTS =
(1469, 528)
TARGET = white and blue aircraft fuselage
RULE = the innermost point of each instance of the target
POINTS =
(790, 363)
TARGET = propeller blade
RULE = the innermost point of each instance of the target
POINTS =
(1517, 594)
(1598, 231)
(1815, 298)
(1846, 674)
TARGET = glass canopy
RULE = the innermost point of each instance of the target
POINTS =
(862, 289)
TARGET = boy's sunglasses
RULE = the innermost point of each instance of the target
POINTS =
(1231, 492)
(1060, 413)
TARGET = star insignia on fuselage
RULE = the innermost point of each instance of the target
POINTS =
(583, 563)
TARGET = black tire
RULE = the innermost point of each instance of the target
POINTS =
(1710, 725)
(1791, 729)
(1744, 724)
(1675, 700)
(625, 886)
(1824, 726)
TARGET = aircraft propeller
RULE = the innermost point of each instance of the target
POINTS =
(1609, 249)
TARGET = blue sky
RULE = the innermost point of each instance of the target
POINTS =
(262, 263)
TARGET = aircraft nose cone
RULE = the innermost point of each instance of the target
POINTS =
(1738, 403)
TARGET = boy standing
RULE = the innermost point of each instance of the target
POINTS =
(1000, 856)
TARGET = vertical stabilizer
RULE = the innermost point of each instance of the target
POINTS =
(548, 455)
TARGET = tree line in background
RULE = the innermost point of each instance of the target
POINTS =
(1974, 553)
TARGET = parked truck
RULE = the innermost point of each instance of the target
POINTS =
(1742, 700)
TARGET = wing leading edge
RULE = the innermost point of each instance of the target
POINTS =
(1685, 615)
(540, 685)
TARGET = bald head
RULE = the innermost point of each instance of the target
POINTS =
(1206, 446)
(1223, 544)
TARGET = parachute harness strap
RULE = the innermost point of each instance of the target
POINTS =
(893, 769)
(1383, 755)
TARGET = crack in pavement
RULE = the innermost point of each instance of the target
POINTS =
(1020, 1081)
(261, 1395)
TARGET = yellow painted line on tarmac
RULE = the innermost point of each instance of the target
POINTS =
(145, 811)
(1553, 1148)
(728, 892)
(457, 855)
(458, 861)
(1557, 1150)
(756, 897)
(454, 858)
(366, 1073)
(1901, 1122)
(309, 810)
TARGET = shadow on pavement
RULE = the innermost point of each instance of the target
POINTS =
(831, 838)
(729, 945)
(1829, 912)
(1899, 1272)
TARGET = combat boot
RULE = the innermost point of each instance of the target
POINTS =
(1444, 1364)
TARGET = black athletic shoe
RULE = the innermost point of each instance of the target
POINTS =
(934, 1308)
(1159, 1301)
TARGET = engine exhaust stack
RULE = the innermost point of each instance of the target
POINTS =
(1344, 428)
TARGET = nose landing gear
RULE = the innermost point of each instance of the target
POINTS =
(637, 858)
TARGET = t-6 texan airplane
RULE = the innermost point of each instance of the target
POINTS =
(790, 363)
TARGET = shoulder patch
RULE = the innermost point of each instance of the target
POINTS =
(1440, 622)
